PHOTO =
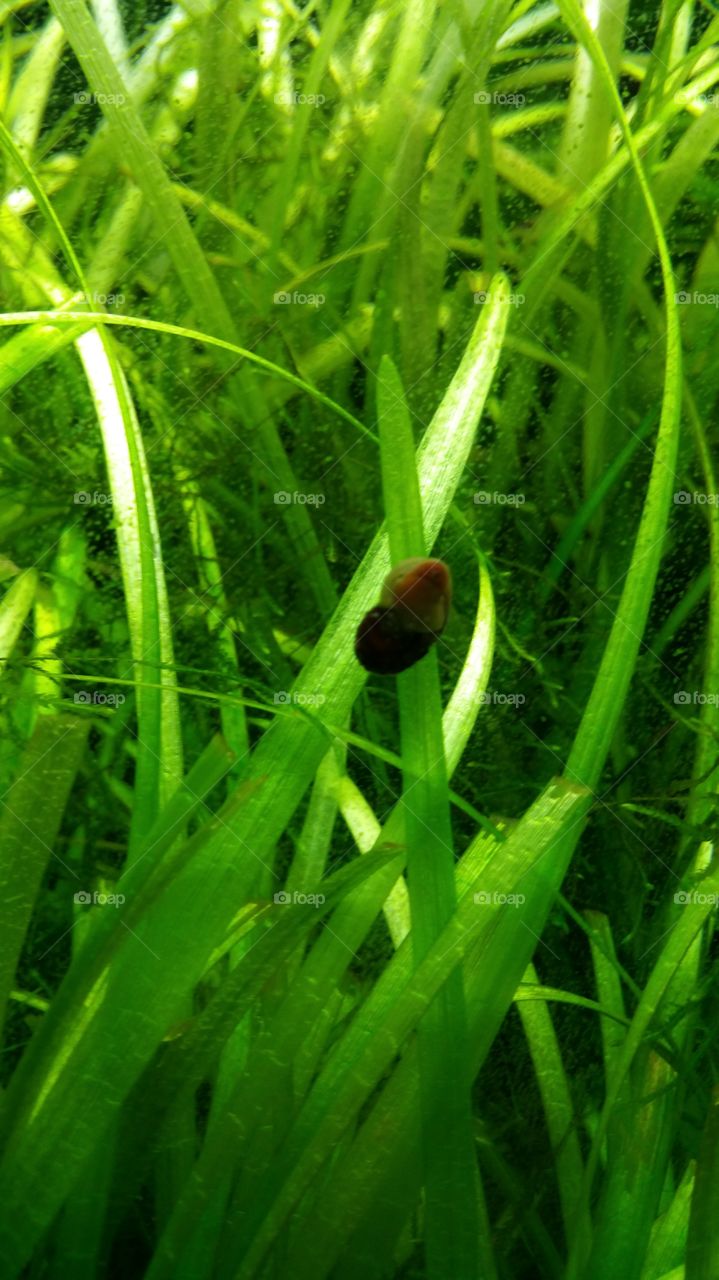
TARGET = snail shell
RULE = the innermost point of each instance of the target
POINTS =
(412, 613)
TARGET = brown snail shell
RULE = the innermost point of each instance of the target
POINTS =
(412, 613)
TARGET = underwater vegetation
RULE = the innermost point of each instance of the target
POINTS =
(411, 615)
(359, 640)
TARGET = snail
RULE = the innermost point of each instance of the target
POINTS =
(411, 614)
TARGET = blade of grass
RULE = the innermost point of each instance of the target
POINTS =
(384, 1159)
(557, 1101)
(135, 148)
(58, 1075)
(452, 1219)
(159, 766)
(14, 609)
(32, 811)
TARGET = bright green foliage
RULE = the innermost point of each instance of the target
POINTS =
(291, 295)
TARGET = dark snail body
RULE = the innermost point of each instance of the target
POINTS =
(410, 616)
(382, 646)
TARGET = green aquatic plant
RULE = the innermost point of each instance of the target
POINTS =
(344, 932)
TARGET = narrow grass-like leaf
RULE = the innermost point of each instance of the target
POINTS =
(452, 1222)
(14, 609)
(557, 1101)
(169, 941)
(160, 748)
(89, 318)
(32, 811)
(384, 1160)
